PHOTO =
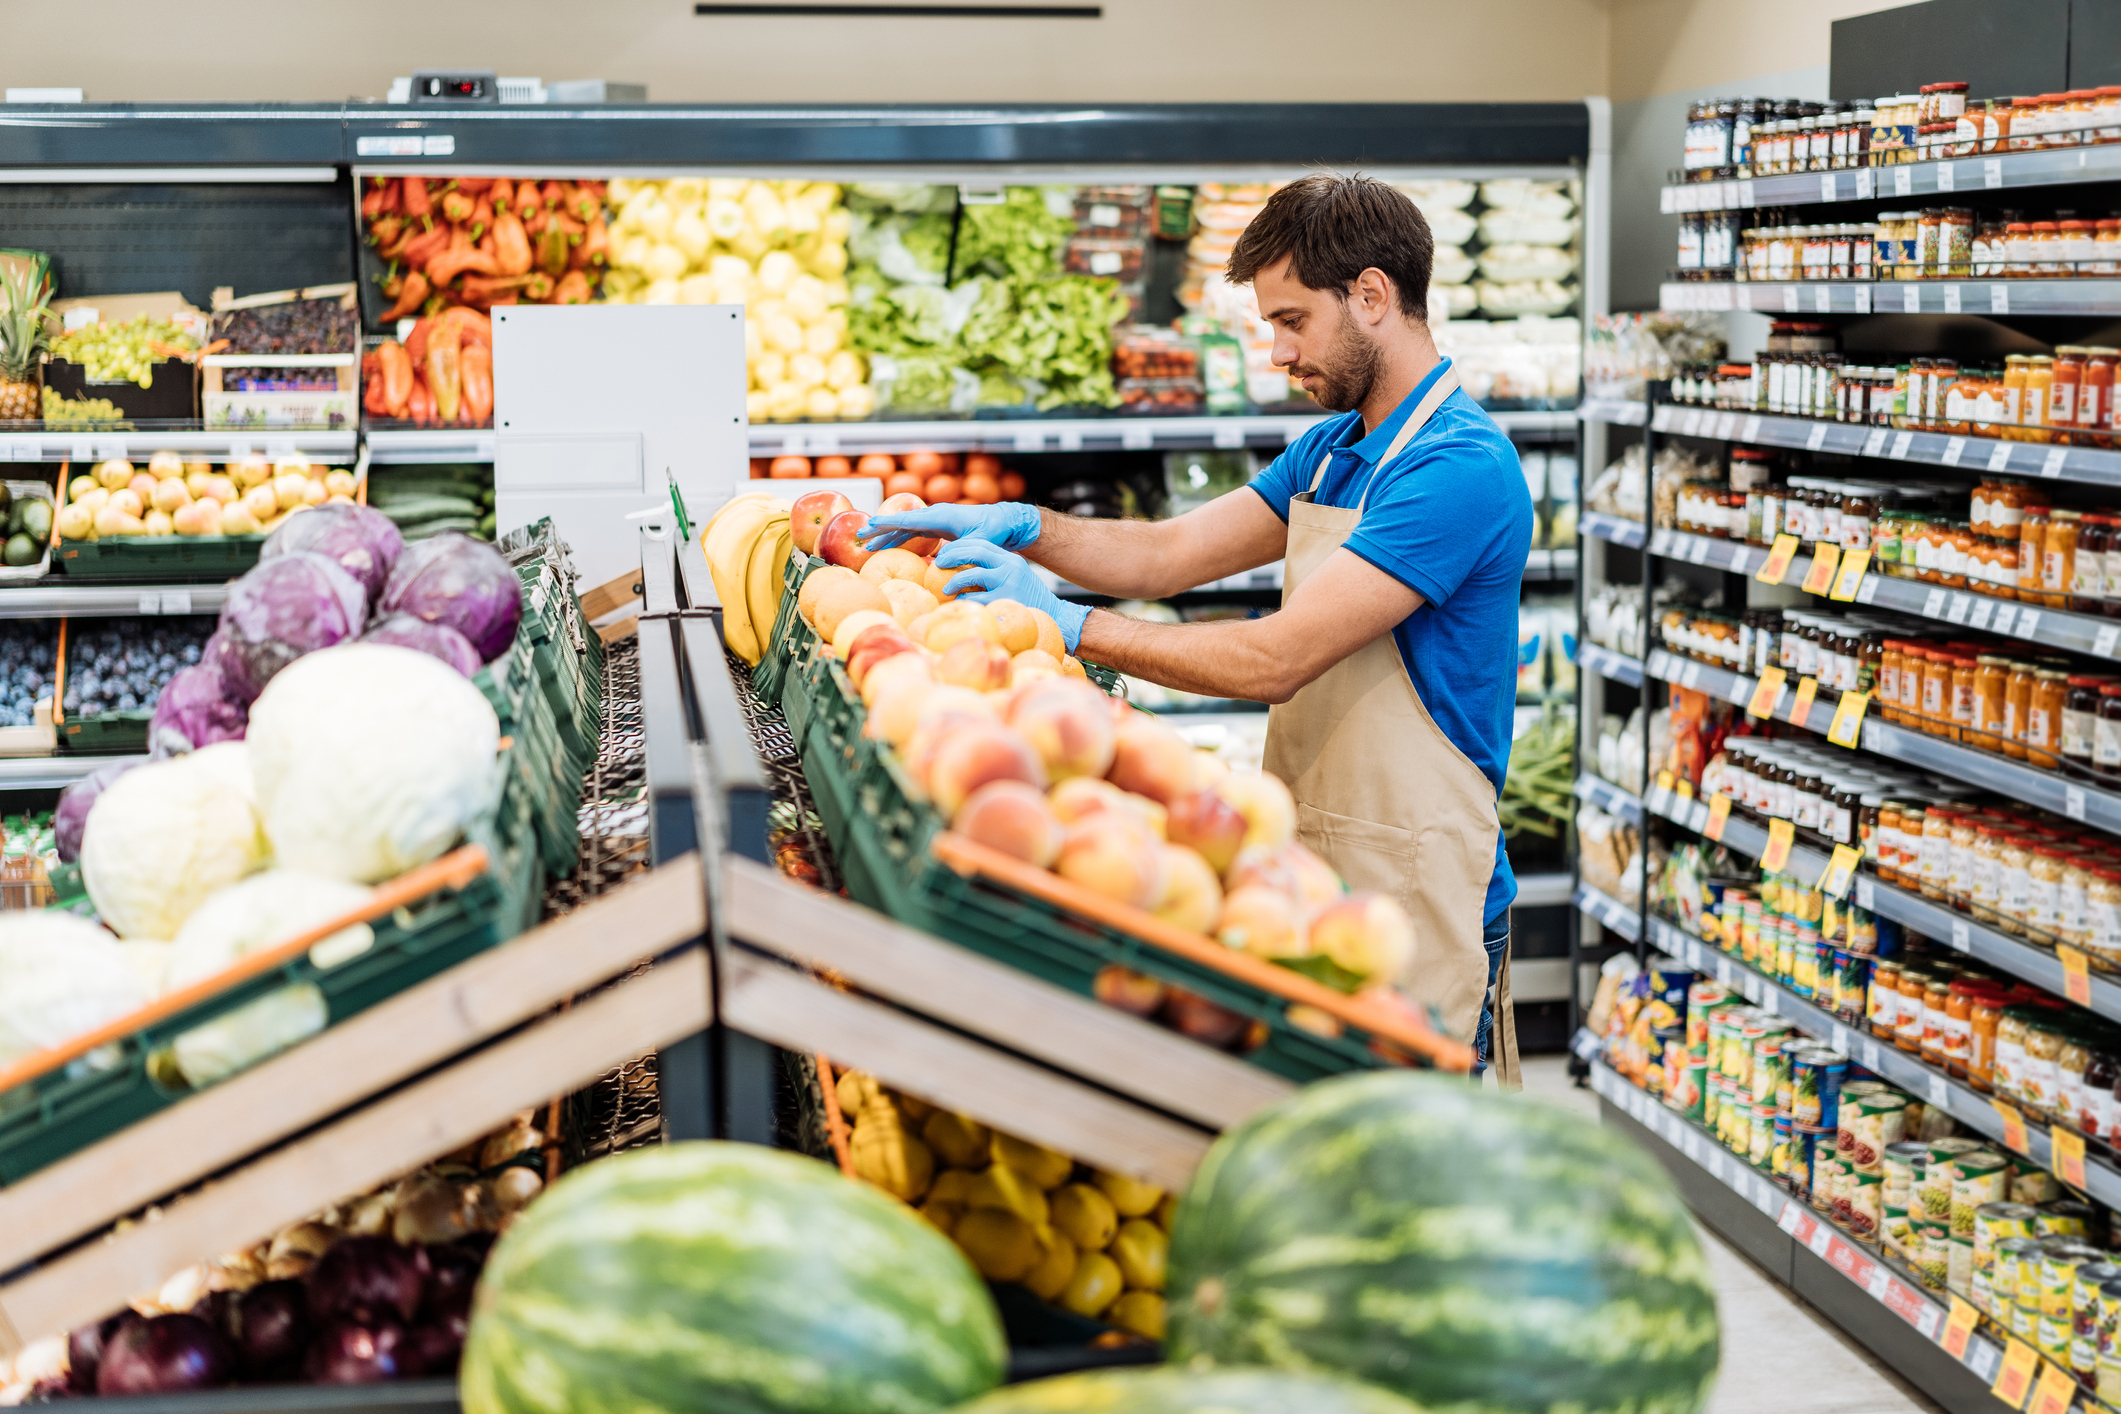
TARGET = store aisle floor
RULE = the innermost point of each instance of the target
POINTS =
(1779, 1357)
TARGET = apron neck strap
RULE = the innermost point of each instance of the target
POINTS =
(1446, 384)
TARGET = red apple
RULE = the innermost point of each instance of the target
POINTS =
(837, 544)
(907, 501)
(807, 517)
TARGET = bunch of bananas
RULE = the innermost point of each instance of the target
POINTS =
(747, 543)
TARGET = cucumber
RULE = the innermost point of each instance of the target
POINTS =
(395, 490)
(426, 528)
(413, 508)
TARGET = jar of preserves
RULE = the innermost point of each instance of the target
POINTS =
(2058, 558)
(2079, 247)
(1956, 242)
(2106, 248)
(2088, 587)
(2017, 704)
(2104, 912)
(2101, 1073)
(2047, 251)
(1955, 552)
(2072, 921)
(2106, 735)
(2039, 1085)
(1859, 521)
(2062, 387)
(2070, 1065)
(1937, 693)
(1959, 871)
(1889, 661)
(1936, 1004)
(2032, 411)
(2018, 249)
(2080, 710)
(2043, 721)
(1907, 1024)
(1929, 235)
(2014, 368)
(1963, 671)
(1882, 1010)
(2043, 897)
(1983, 1020)
(1985, 884)
(2009, 1069)
(1937, 851)
(1991, 689)
(2006, 508)
(2095, 394)
(2032, 548)
(2013, 882)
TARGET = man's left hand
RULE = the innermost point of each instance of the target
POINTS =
(997, 574)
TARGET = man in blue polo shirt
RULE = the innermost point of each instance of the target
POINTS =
(1403, 527)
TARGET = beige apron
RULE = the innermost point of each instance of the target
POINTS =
(1385, 796)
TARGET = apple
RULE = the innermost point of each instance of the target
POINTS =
(809, 515)
(837, 544)
(907, 501)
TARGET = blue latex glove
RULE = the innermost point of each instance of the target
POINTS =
(1009, 524)
(1001, 575)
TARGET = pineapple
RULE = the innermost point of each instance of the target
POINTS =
(23, 340)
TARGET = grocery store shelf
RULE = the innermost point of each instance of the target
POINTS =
(1960, 176)
(57, 598)
(57, 445)
(1877, 1304)
(1985, 297)
(391, 445)
(1991, 455)
(1544, 890)
(1609, 798)
(1617, 412)
(1606, 663)
(1550, 564)
(1612, 529)
(1904, 1069)
(2044, 790)
(51, 772)
(1594, 903)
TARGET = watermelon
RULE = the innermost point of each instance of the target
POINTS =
(1469, 1250)
(1192, 1392)
(715, 1276)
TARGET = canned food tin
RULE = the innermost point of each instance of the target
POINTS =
(1978, 1179)
(1779, 1147)
(1702, 1000)
(1826, 1181)
(1669, 982)
(2051, 1337)
(2084, 1316)
(1666, 1041)
(1771, 1069)
(2059, 1261)
(2065, 1217)
(1873, 1124)
(1760, 1136)
(2109, 1384)
(1894, 1232)
(1866, 1212)
(1902, 1164)
(2109, 1329)
(2033, 1185)
(1934, 1264)
(1959, 1273)
(1712, 1099)
(2009, 1280)
(1935, 1191)
(1979, 1291)
(1993, 1222)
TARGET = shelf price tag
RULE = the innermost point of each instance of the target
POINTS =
(1778, 560)
(1850, 576)
(1719, 811)
(2069, 1156)
(1801, 709)
(1824, 561)
(2054, 1392)
(1847, 727)
(2016, 1378)
(1767, 694)
(1781, 834)
(2013, 1127)
(1959, 1328)
(2076, 976)
(1840, 871)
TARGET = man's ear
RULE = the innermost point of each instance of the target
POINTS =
(1374, 295)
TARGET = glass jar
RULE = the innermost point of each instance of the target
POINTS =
(1936, 1022)
(1991, 688)
(1937, 693)
(1984, 1020)
(2095, 394)
(2011, 1030)
(2043, 895)
(1956, 548)
(2070, 1065)
(2013, 882)
(2101, 1073)
(2039, 1085)
(1937, 851)
(1963, 671)
(1907, 1023)
(2071, 922)
(2106, 735)
(2014, 367)
(2018, 249)
(2104, 910)
(2079, 247)
(2062, 389)
(2088, 587)
(1956, 242)
(1929, 233)
(2032, 413)
(2058, 558)
(2043, 722)
(1985, 884)
(2047, 248)
(1882, 1011)
(2032, 547)
(1889, 661)
(2017, 703)
(2080, 710)
(1959, 871)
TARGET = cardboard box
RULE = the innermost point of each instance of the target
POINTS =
(336, 407)
(173, 394)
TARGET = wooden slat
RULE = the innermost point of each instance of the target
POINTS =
(351, 1061)
(446, 1110)
(613, 593)
(977, 994)
(791, 1009)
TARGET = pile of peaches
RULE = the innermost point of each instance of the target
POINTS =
(938, 478)
(998, 725)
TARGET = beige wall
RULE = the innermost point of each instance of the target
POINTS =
(1667, 46)
(1141, 51)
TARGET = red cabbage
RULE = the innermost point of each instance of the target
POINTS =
(368, 1280)
(283, 608)
(270, 1329)
(70, 819)
(349, 1353)
(194, 711)
(85, 1347)
(162, 1354)
(437, 640)
(365, 542)
(465, 583)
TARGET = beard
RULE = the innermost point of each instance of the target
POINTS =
(1347, 372)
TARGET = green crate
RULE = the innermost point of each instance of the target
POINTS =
(880, 830)
(199, 559)
(770, 677)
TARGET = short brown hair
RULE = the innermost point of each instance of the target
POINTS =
(1333, 228)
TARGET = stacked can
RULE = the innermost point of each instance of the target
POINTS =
(1666, 1009)
(2107, 1381)
(1979, 1178)
(1995, 1224)
(2084, 1308)
(1688, 1067)
(2054, 1324)
(2015, 1285)
(1929, 1246)
(1903, 1165)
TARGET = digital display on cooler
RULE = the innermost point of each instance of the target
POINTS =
(461, 86)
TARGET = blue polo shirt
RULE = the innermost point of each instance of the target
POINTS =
(1450, 518)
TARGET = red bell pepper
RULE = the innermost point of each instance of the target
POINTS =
(477, 186)
(481, 216)
(594, 250)
(527, 198)
(457, 260)
(412, 197)
(421, 407)
(425, 246)
(478, 384)
(457, 205)
(416, 341)
(572, 289)
(398, 381)
(415, 290)
(553, 195)
(511, 247)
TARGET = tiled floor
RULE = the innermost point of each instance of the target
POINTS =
(1779, 1357)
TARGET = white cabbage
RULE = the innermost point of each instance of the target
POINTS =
(370, 759)
(60, 975)
(162, 837)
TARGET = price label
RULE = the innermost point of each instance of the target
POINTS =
(1962, 935)
(2076, 977)
(1940, 1093)
(2069, 1156)
(1801, 708)
(176, 601)
(1999, 299)
(1878, 1282)
(1778, 560)
(1933, 604)
(1790, 295)
(2006, 616)
(27, 452)
(1825, 559)
(1874, 442)
(1719, 811)
(1992, 171)
(1944, 176)
(1958, 1327)
(2051, 465)
(1911, 300)
(1031, 439)
(1816, 438)
(1847, 726)
(1822, 1239)
(1999, 456)
(1697, 550)
(1901, 440)
(1863, 299)
(1903, 181)
(1767, 694)
(1228, 439)
(2073, 802)
(2028, 622)
(1826, 186)
(1867, 592)
(84, 452)
(1070, 439)
(1840, 872)
(1962, 604)
(1954, 447)
(1867, 1052)
(151, 602)
(1866, 896)
(1749, 430)
(2013, 1127)
(1951, 299)
(2103, 640)
(1849, 578)
(1983, 608)
(2057, 1387)
(1781, 834)
(1137, 439)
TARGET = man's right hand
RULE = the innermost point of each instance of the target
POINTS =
(1009, 524)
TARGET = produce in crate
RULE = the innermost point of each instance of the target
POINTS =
(976, 479)
(1191, 1392)
(59, 976)
(726, 1276)
(462, 583)
(363, 542)
(747, 544)
(24, 337)
(428, 500)
(484, 241)
(1461, 1249)
(171, 496)
(442, 373)
(26, 670)
(160, 839)
(125, 350)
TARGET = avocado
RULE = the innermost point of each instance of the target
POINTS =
(34, 518)
(21, 550)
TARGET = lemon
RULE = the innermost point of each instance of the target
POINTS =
(959, 1142)
(1141, 1249)
(1129, 1199)
(1050, 1277)
(1167, 1211)
(1042, 1166)
(916, 1111)
(1095, 1285)
(1004, 1188)
(1086, 1216)
(952, 1186)
(1139, 1311)
(1001, 1244)
(943, 1216)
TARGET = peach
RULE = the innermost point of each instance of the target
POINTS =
(974, 663)
(1268, 808)
(843, 597)
(1108, 854)
(1204, 821)
(1208, 768)
(852, 626)
(816, 583)
(922, 623)
(872, 646)
(1014, 818)
(937, 580)
(1073, 668)
(1130, 991)
(974, 755)
(895, 713)
(908, 600)
(836, 543)
(1032, 666)
(966, 620)
(1291, 869)
(1067, 725)
(810, 514)
(1195, 1016)
(1151, 759)
(143, 486)
(946, 710)
(1262, 921)
(895, 564)
(1368, 934)
(1194, 896)
(908, 501)
(1019, 629)
(1049, 634)
(1082, 796)
(884, 675)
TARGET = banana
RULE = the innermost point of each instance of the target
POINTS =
(762, 581)
(743, 630)
(728, 546)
